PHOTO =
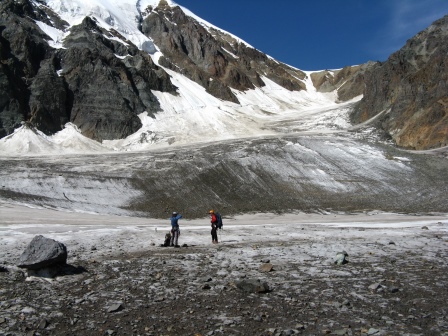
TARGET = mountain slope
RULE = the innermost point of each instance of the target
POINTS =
(271, 138)
(112, 67)
(212, 58)
(411, 90)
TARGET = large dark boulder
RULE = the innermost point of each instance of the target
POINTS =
(43, 252)
(410, 89)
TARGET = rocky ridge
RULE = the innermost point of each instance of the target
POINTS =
(212, 58)
(409, 91)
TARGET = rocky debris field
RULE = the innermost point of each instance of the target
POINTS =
(331, 280)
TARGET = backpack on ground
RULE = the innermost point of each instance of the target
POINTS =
(219, 220)
(167, 240)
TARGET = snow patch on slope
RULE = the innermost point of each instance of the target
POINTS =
(29, 141)
(121, 15)
(56, 35)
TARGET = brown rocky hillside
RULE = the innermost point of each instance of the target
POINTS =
(411, 90)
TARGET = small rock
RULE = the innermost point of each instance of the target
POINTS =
(372, 331)
(375, 286)
(425, 228)
(346, 303)
(43, 324)
(2, 320)
(115, 308)
(253, 286)
(394, 290)
(28, 310)
(341, 258)
(266, 267)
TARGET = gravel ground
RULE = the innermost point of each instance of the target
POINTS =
(393, 284)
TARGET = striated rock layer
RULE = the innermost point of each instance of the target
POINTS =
(99, 89)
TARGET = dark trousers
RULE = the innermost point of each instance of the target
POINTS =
(174, 236)
(214, 235)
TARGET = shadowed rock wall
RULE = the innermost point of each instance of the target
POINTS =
(97, 83)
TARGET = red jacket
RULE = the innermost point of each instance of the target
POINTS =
(213, 218)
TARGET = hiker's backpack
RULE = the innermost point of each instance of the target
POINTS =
(219, 220)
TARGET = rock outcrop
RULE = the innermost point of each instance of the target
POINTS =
(96, 82)
(411, 90)
(347, 82)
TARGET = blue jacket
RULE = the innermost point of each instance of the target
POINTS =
(174, 220)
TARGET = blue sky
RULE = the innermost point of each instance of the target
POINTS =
(322, 34)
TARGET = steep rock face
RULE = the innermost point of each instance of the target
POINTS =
(108, 92)
(96, 82)
(347, 82)
(411, 87)
(22, 48)
(215, 60)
